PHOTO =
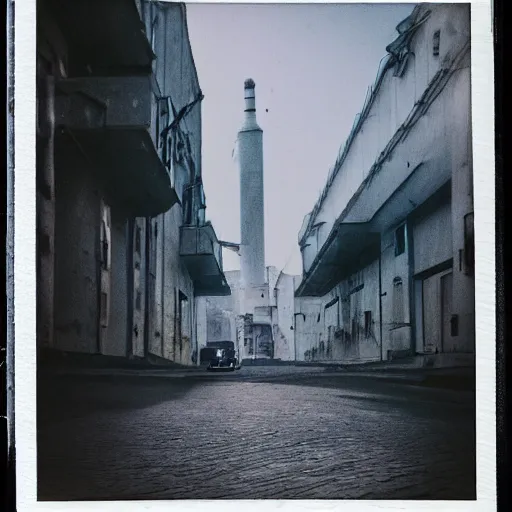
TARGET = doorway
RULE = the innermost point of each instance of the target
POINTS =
(437, 311)
(446, 310)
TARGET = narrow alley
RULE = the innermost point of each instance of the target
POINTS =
(136, 294)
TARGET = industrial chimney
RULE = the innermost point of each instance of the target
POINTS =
(250, 161)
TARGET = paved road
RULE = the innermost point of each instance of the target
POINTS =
(257, 434)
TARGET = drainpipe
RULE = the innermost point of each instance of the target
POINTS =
(380, 305)
(148, 241)
(412, 290)
(295, 336)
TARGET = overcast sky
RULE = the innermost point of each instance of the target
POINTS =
(312, 65)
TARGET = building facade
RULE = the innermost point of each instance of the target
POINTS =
(262, 324)
(124, 248)
(388, 248)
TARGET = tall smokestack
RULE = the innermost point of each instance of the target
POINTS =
(250, 161)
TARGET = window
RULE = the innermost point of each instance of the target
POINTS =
(469, 244)
(138, 301)
(400, 240)
(105, 249)
(435, 43)
(398, 301)
(104, 309)
(367, 324)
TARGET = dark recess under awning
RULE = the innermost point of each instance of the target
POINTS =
(103, 34)
(126, 164)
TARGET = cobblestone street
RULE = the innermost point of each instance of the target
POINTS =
(259, 433)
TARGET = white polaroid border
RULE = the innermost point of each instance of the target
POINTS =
(25, 291)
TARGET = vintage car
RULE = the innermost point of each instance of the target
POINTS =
(222, 356)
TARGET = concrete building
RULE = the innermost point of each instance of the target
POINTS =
(124, 249)
(388, 248)
(266, 332)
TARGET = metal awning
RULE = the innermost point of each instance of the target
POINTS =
(355, 242)
(349, 247)
(103, 34)
(382, 202)
(125, 163)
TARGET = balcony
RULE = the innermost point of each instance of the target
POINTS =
(202, 255)
(110, 119)
(102, 35)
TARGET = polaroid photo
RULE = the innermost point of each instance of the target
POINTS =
(252, 256)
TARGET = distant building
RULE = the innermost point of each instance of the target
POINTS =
(387, 250)
(124, 249)
(266, 331)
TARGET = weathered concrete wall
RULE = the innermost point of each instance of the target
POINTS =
(166, 27)
(344, 325)
(115, 340)
(463, 300)
(284, 334)
(156, 298)
(396, 315)
(308, 329)
(433, 238)
(173, 335)
(139, 287)
(51, 47)
(201, 321)
(167, 338)
(77, 224)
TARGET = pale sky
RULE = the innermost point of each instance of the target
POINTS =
(312, 65)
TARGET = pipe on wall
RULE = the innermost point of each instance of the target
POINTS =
(380, 305)
(130, 226)
(412, 290)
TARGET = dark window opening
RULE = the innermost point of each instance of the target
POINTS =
(138, 301)
(187, 205)
(137, 239)
(400, 240)
(367, 324)
(469, 244)
(454, 325)
(435, 43)
(104, 247)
